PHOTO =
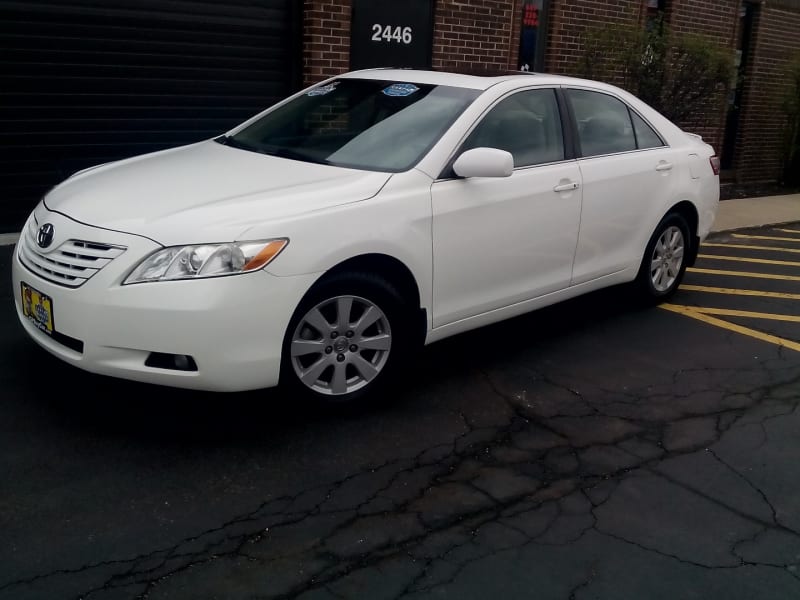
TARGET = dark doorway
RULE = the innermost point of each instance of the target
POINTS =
(743, 39)
(533, 35)
(386, 33)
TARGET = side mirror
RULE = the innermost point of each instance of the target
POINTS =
(484, 162)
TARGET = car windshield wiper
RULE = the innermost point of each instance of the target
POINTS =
(295, 155)
(233, 142)
(227, 140)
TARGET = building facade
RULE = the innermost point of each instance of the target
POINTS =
(88, 81)
(472, 35)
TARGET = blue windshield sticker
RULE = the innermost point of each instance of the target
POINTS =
(322, 90)
(400, 89)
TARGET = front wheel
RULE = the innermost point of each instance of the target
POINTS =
(347, 338)
(664, 261)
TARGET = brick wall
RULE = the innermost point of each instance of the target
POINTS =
(468, 35)
(775, 41)
(326, 39)
(474, 35)
(569, 21)
(716, 20)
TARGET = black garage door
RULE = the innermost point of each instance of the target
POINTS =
(84, 82)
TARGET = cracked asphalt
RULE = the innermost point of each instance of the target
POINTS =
(589, 450)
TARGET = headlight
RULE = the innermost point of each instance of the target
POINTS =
(205, 260)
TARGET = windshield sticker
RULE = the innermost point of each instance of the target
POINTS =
(400, 89)
(322, 90)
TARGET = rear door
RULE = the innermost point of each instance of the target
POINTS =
(628, 176)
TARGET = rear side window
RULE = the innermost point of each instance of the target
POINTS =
(604, 123)
(526, 124)
(645, 136)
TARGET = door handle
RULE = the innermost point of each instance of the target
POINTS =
(664, 166)
(566, 187)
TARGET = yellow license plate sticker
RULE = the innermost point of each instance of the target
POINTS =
(38, 307)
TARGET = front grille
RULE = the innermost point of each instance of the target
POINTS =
(71, 264)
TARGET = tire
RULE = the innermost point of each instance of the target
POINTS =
(333, 358)
(664, 260)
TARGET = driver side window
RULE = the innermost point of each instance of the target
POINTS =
(526, 124)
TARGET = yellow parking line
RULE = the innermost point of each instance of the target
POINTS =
(765, 337)
(747, 247)
(735, 292)
(764, 237)
(745, 274)
(726, 312)
(760, 261)
(788, 230)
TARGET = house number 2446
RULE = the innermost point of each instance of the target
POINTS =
(381, 33)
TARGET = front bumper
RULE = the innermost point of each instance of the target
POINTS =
(233, 326)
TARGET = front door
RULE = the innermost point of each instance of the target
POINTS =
(499, 241)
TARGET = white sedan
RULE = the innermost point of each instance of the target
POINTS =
(325, 239)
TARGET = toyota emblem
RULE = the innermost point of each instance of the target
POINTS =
(45, 235)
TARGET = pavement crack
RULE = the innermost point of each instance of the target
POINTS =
(646, 548)
(573, 593)
(754, 487)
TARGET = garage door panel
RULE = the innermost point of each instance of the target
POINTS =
(88, 81)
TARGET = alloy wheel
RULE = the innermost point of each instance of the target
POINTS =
(340, 345)
(667, 259)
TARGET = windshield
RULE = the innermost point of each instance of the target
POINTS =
(359, 123)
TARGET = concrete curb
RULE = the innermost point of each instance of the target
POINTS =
(757, 212)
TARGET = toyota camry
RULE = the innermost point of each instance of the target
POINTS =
(322, 242)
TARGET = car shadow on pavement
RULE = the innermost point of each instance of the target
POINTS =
(492, 345)
(113, 407)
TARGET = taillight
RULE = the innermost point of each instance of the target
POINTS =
(714, 160)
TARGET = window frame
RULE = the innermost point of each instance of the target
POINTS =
(567, 137)
(632, 112)
(564, 91)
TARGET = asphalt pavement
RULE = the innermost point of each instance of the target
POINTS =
(595, 449)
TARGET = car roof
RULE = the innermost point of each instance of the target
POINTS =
(477, 82)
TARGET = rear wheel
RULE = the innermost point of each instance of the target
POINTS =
(664, 261)
(348, 337)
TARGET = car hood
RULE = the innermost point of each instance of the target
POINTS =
(205, 192)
